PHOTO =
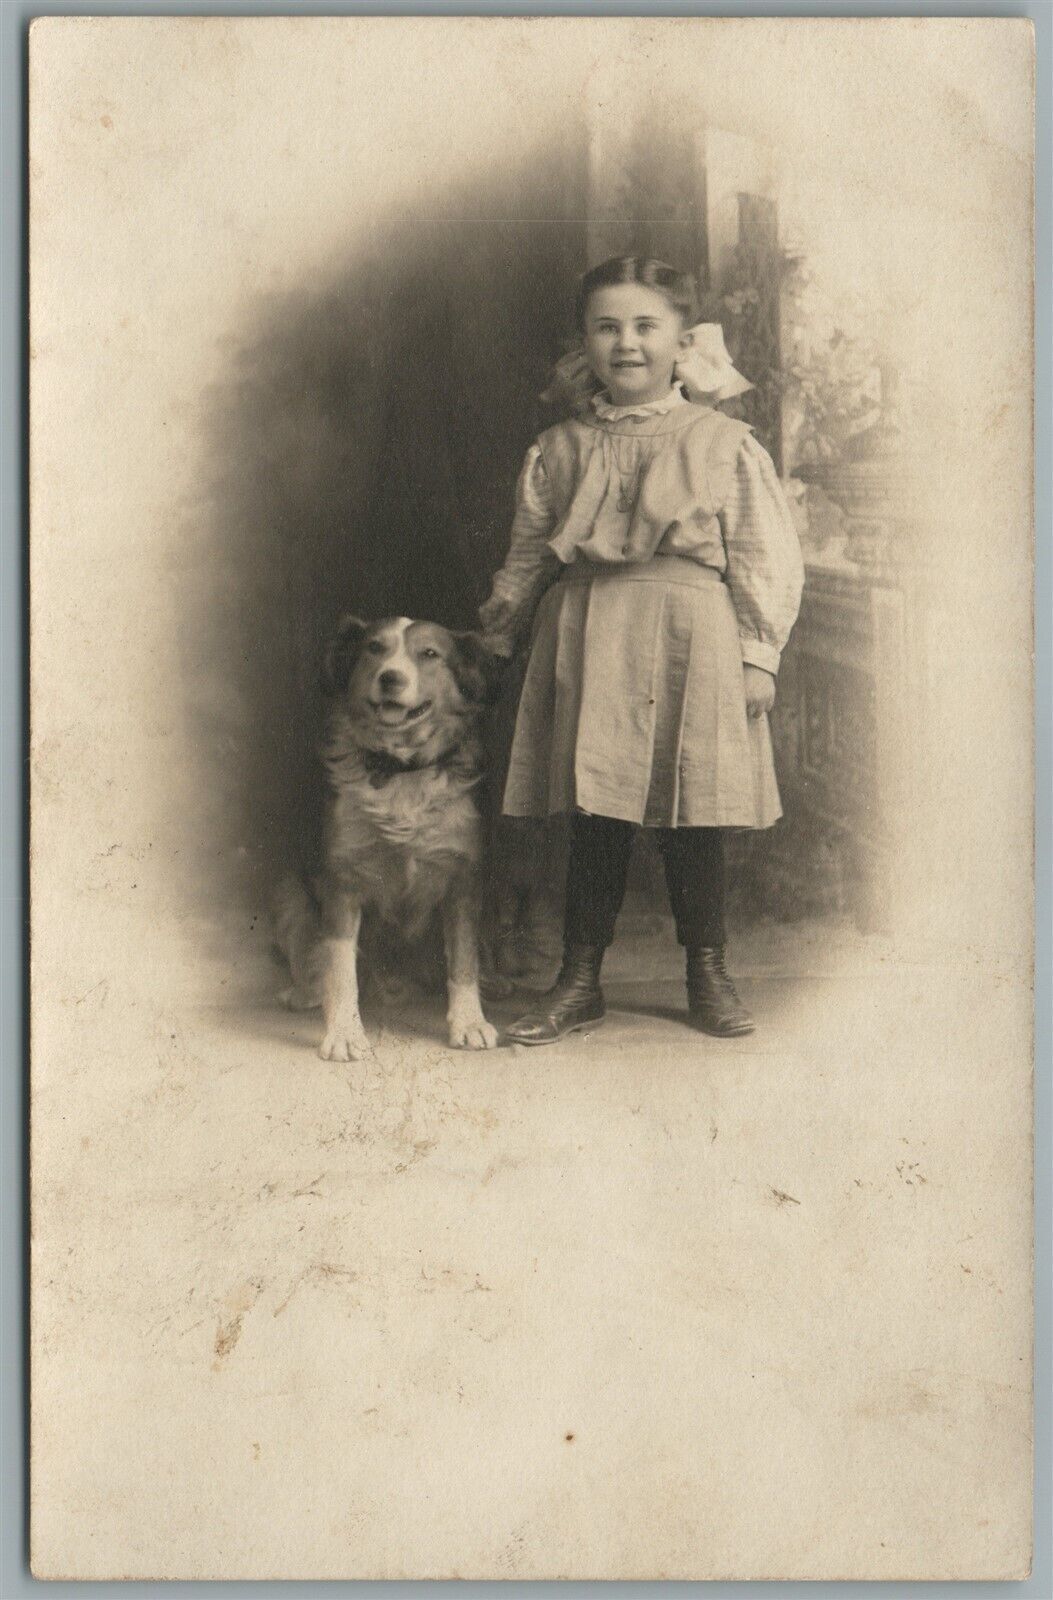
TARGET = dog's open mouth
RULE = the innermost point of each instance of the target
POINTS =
(393, 714)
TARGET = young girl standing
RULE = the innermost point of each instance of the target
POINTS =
(653, 662)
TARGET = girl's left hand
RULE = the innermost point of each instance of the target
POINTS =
(760, 691)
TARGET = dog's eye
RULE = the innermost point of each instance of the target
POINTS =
(429, 654)
(375, 647)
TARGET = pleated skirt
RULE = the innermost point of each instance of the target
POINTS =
(634, 706)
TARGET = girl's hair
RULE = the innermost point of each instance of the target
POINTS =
(676, 287)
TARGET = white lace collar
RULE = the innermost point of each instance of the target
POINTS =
(649, 408)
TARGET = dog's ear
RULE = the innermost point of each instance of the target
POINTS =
(477, 671)
(340, 656)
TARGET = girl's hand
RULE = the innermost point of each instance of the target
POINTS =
(496, 624)
(496, 613)
(760, 691)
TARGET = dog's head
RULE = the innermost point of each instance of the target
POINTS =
(403, 683)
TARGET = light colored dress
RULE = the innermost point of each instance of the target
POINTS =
(677, 562)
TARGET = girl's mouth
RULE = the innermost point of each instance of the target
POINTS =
(393, 714)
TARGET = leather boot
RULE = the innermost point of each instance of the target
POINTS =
(573, 1000)
(712, 1002)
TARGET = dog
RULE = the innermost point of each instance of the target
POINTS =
(404, 834)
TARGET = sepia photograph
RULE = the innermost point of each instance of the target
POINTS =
(532, 797)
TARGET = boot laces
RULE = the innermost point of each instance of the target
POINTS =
(707, 966)
(580, 969)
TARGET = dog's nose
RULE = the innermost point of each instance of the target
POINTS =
(391, 682)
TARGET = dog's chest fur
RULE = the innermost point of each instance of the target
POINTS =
(399, 843)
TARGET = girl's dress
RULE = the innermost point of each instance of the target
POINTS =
(678, 562)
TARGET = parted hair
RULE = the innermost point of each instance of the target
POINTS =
(675, 286)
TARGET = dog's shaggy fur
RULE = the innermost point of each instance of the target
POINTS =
(404, 834)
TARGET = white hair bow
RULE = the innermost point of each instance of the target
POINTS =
(703, 368)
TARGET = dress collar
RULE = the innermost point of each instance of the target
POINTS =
(652, 408)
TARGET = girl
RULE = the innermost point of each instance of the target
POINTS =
(653, 662)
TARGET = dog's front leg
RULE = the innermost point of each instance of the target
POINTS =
(468, 1027)
(345, 1038)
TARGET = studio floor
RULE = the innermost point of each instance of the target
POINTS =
(641, 1304)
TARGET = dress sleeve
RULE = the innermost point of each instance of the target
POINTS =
(765, 572)
(529, 566)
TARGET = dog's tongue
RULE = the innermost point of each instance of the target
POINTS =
(391, 714)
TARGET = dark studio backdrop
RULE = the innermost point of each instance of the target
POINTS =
(365, 452)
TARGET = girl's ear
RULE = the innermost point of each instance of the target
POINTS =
(476, 670)
(341, 654)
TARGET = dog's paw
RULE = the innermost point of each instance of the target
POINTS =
(346, 1042)
(472, 1033)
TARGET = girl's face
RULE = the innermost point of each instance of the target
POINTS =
(633, 337)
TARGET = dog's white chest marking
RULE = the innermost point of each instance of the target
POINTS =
(421, 809)
(399, 842)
